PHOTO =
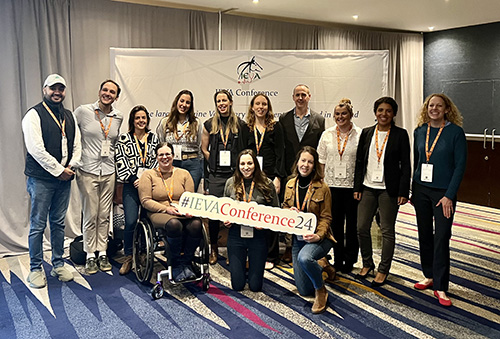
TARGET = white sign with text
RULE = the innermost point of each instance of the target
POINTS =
(247, 213)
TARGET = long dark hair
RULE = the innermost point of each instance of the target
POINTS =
(316, 175)
(131, 118)
(173, 117)
(262, 183)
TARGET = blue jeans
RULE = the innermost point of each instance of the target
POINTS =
(194, 167)
(237, 249)
(48, 198)
(306, 270)
(131, 205)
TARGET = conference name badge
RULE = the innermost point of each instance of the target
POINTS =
(225, 158)
(260, 159)
(377, 175)
(246, 231)
(340, 170)
(247, 213)
(177, 152)
(426, 172)
(64, 146)
(105, 148)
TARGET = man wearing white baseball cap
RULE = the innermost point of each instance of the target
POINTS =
(52, 140)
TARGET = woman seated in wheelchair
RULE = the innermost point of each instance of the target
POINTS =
(248, 183)
(159, 191)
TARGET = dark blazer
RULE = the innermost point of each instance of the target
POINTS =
(311, 137)
(397, 168)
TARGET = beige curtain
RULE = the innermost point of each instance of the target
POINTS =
(73, 37)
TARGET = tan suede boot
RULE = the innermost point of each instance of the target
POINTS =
(329, 269)
(320, 300)
(214, 254)
(127, 265)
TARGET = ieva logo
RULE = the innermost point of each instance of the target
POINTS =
(248, 71)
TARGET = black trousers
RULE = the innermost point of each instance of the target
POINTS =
(216, 184)
(434, 233)
(344, 211)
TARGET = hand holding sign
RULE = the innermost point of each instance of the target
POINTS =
(247, 213)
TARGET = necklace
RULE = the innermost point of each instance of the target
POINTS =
(306, 186)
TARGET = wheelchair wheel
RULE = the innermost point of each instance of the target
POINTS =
(157, 291)
(143, 251)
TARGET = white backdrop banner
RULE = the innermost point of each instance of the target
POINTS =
(153, 77)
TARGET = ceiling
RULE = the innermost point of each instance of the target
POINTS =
(404, 15)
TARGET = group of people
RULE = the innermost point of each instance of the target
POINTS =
(344, 175)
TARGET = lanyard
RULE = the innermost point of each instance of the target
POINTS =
(341, 152)
(427, 152)
(381, 151)
(224, 141)
(184, 128)
(106, 131)
(170, 190)
(306, 198)
(63, 127)
(258, 144)
(245, 193)
(143, 157)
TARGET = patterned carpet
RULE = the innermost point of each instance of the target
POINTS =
(107, 305)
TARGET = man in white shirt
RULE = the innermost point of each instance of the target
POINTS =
(99, 126)
(53, 143)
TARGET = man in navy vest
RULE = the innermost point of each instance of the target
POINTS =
(52, 140)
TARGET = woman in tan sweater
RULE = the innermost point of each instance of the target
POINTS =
(159, 190)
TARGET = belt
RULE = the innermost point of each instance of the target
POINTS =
(190, 155)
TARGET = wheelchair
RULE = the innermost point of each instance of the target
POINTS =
(149, 240)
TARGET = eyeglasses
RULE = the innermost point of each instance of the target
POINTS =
(161, 155)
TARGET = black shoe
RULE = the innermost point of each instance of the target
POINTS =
(363, 276)
(378, 284)
(347, 268)
(338, 266)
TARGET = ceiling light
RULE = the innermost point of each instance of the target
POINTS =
(255, 1)
(431, 28)
(355, 17)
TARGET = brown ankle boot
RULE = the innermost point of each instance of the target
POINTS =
(287, 256)
(214, 254)
(320, 300)
(329, 269)
(126, 266)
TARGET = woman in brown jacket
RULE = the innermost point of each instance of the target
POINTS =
(308, 193)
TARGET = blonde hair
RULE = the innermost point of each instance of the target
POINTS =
(269, 115)
(232, 122)
(345, 102)
(453, 115)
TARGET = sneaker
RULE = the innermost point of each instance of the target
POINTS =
(37, 279)
(188, 273)
(91, 266)
(126, 266)
(104, 264)
(62, 273)
(269, 265)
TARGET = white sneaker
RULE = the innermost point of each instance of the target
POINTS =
(62, 273)
(37, 279)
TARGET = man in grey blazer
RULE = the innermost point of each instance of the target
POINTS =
(302, 127)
